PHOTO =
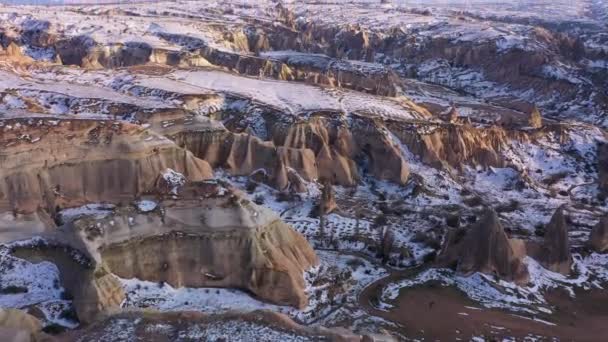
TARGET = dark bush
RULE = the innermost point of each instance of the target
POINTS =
(13, 289)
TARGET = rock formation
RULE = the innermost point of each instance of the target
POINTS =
(452, 115)
(535, 120)
(208, 237)
(203, 235)
(328, 200)
(96, 293)
(598, 240)
(60, 163)
(18, 326)
(114, 118)
(317, 148)
(454, 145)
(486, 248)
(555, 251)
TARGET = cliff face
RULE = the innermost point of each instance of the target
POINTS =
(454, 144)
(60, 163)
(319, 148)
(222, 240)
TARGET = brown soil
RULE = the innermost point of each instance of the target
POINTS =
(442, 313)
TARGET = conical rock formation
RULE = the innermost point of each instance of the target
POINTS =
(487, 249)
(555, 251)
(67, 163)
(328, 199)
(535, 119)
(599, 236)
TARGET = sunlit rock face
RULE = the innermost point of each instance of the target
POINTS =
(61, 163)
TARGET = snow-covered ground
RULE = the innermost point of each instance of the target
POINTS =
(589, 272)
(27, 285)
(349, 272)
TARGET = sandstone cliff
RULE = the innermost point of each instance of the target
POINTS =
(319, 148)
(220, 240)
(61, 163)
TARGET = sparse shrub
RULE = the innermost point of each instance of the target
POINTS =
(374, 300)
(430, 257)
(539, 230)
(473, 201)
(251, 186)
(66, 295)
(69, 314)
(452, 221)
(380, 220)
(283, 197)
(259, 199)
(54, 329)
(314, 212)
(355, 263)
(509, 207)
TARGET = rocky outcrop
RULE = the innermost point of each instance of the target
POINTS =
(328, 199)
(555, 251)
(386, 159)
(96, 294)
(485, 248)
(245, 154)
(318, 148)
(18, 326)
(598, 240)
(535, 120)
(452, 115)
(200, 235)
(452, 144)
(331, 143)
(60, 163)
(210, 236)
